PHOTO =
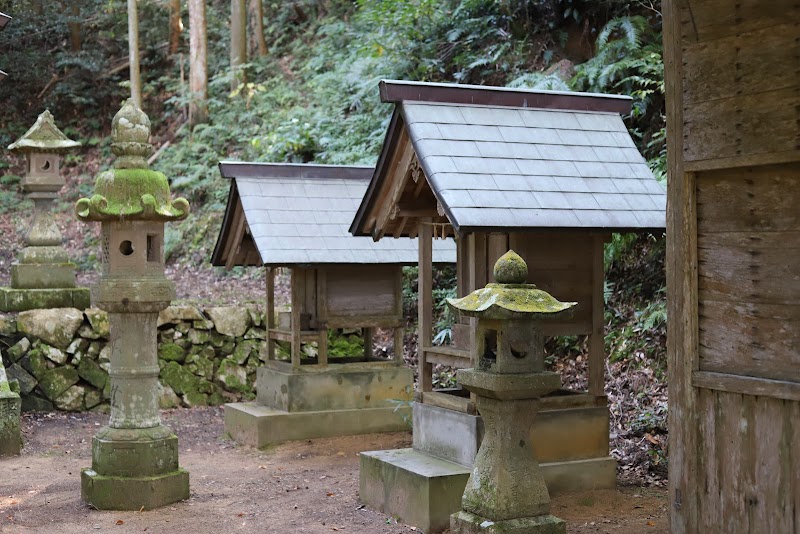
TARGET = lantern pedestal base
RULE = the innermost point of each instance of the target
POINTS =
(14, 300)
(134, 468)
(134, 493)
(466, 523)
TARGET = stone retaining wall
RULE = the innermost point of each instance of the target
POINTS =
(60, 357)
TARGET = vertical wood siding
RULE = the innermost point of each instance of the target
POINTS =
(748, 463)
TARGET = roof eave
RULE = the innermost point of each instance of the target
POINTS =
(397, 92)
(378, 176)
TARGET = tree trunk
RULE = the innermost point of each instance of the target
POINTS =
(133, 52)
(198, 63)
(258, 43)
(175, 26)
(75, 28)
(238, 42)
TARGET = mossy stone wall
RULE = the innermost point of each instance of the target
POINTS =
(60, 357)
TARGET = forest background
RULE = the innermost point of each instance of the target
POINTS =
(300, 84)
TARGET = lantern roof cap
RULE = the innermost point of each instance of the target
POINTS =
(43, 136)
(511, 297)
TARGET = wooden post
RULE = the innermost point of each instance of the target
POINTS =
(682, 305)
(297, 305)
(399, 345)
(369, 335)
(597, 349)
(425, 303)
(322, 346)
(270, 313)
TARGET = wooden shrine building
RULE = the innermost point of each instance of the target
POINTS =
(733, 264)
(548, 174)
(297, 216)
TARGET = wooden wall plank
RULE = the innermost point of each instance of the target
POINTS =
(758, 340)
(771, 497)
(716, 19)
(709, 499)
(750, 199)
(734, 65)
(747, 385)
(731, 428)
(743, 125)
(361, 290)
(793, 431)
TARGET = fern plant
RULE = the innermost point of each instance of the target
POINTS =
(628, 60)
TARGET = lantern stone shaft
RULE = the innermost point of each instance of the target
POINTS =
(135, 458)
(506, 491)
(42, 275)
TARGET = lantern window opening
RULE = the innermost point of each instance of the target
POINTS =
(153, 248)
(126, 247)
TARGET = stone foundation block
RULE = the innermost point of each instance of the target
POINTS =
(349, 386)
(15, 300)
(466, 523)
(133, 493)
(416, 488)
(255, 425)
(447, 434)
(43, 275)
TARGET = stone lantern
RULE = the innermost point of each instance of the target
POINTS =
(43, 276)
(135, 458)
(506, 491)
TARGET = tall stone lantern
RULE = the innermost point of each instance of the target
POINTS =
(134, 458)
(506, 491)
(42, 276)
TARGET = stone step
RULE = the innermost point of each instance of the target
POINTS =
(256, 425)
(416, 488)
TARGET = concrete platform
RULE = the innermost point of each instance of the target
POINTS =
(416, 488)
(256, 425)
(570, 441)
(423, 491)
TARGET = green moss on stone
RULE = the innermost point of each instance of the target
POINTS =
(171, 352)
(92, 373)
(57, 381)
(510, 268)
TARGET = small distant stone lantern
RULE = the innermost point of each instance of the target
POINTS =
(43, 276)
(506, 491)
(135, 458)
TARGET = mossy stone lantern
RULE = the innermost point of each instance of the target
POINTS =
(42, 276)
(506, 491)
(135, 458)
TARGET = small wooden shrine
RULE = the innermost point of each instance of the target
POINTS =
(296, 217)
(548, 174)
(733, 264)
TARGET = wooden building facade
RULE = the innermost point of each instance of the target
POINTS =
(733, 264)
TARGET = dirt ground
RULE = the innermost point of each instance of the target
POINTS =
(308, 486)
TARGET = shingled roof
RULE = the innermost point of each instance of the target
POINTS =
(298, 214)
(494, 163)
